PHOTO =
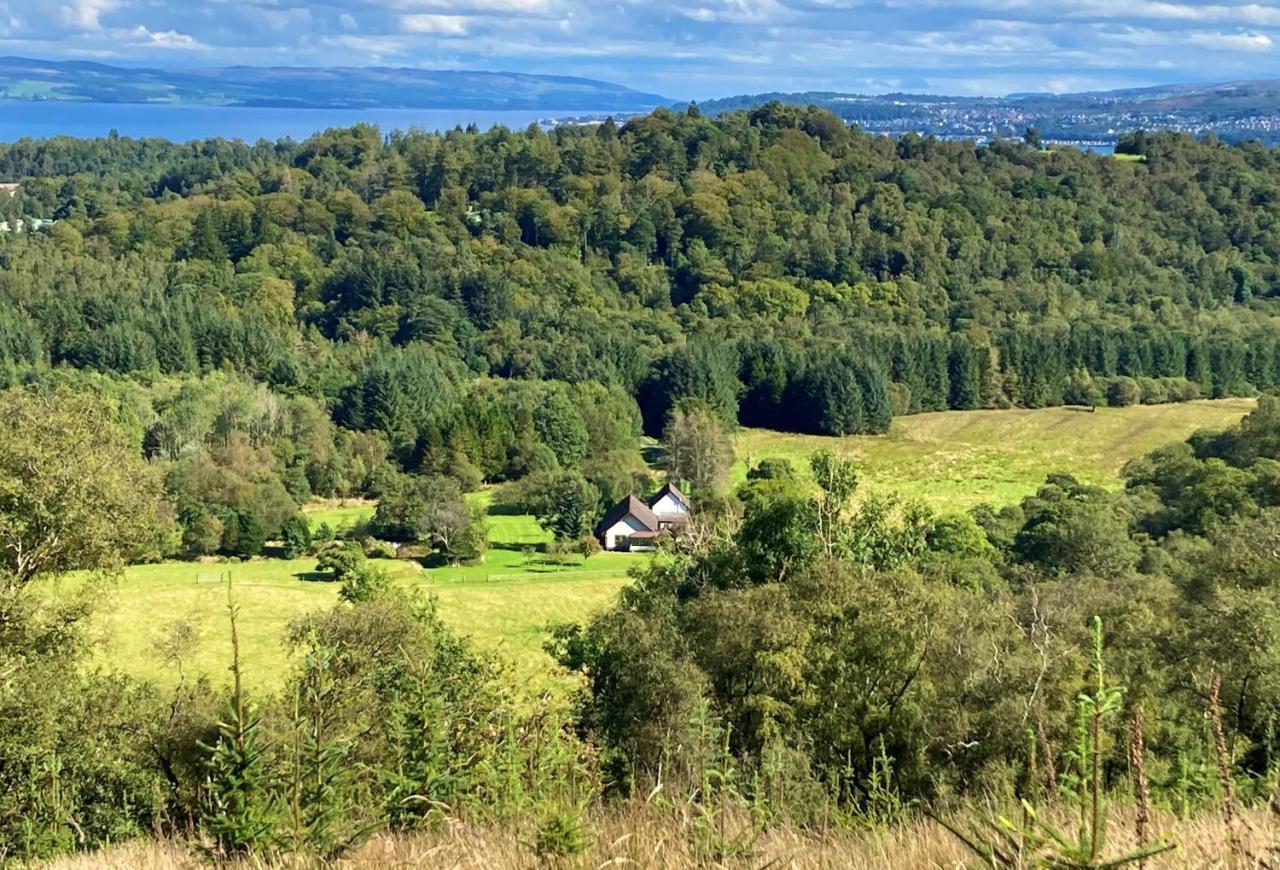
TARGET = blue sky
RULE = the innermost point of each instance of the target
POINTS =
(696, 48)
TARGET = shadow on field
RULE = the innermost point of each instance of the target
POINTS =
(516, 548)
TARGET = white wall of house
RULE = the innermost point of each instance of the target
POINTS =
(624, 528)
(669, 505)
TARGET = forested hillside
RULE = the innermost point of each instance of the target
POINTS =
(775, 258)
(484, 304)
(211, 335)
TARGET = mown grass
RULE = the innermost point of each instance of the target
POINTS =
(505, 605)
(957, 459)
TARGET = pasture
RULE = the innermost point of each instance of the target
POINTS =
(954, 460)
(505, 605)
(951, 460)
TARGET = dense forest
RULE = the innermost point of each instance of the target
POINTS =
(481, 305)
(213, 334)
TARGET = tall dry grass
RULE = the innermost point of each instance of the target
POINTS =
(645, 838)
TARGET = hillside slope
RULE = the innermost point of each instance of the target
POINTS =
(954, 460)
(314, 88)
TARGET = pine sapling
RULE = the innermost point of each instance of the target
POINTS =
(240, 811)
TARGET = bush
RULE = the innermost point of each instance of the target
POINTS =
(1180, 389)
(959, 535)
(774, 468)
(364, 584)
(588, 546)
(561, 835)
(1122, 393)
(1153, 391)
(899, 398)
(341, 558)
(376, 549)
(297, 537)
(1082, 389)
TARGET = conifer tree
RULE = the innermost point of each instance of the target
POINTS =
(240, 808)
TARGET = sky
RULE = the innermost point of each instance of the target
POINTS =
(695, 49)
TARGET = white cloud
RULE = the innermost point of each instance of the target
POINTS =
(474, 7)
(167, 39)
(739, 12)
(1233, 41)
(691, 48)
(84, 14)
(440, 25)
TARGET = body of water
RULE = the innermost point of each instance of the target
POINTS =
(39, 120)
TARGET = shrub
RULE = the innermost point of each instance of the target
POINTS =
(297, 537)
(364, 584)
(1153, 391)
(1082, 389)
(1180, 389)
(376, 549)
(774, 468)
(561, 835)
(341, 558)
(1122, 393)
(899, 398)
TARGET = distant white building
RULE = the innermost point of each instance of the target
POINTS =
(34, 225)
(11, 189)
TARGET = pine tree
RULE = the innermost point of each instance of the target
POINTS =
(323, 818)
(966, 386)
(206, 240)
(828, 397)
(239, 818)
(876, 408)
(574, 509)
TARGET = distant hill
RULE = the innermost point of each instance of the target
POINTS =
(1234, 111)
(314, 88)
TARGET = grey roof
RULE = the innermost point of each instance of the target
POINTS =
(633, 506)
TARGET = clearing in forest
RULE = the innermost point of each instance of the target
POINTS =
(953, 460)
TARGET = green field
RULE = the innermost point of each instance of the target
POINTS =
(954, 460)
(505, 605)
(338, 515)
(951, 460)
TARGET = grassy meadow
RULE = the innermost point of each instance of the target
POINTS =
(339, 514)
(951, 460)
(954, 460)
(505, 604)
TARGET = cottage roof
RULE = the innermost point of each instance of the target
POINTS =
(629, 506)
(670, 489)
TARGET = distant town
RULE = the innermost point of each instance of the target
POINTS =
(1233, 112)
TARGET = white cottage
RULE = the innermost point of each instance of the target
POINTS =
(634, 525)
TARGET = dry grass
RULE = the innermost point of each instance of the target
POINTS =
(642, 838)
(953, 460)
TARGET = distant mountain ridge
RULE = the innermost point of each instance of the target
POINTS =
(314, 87)
(1232, 110)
